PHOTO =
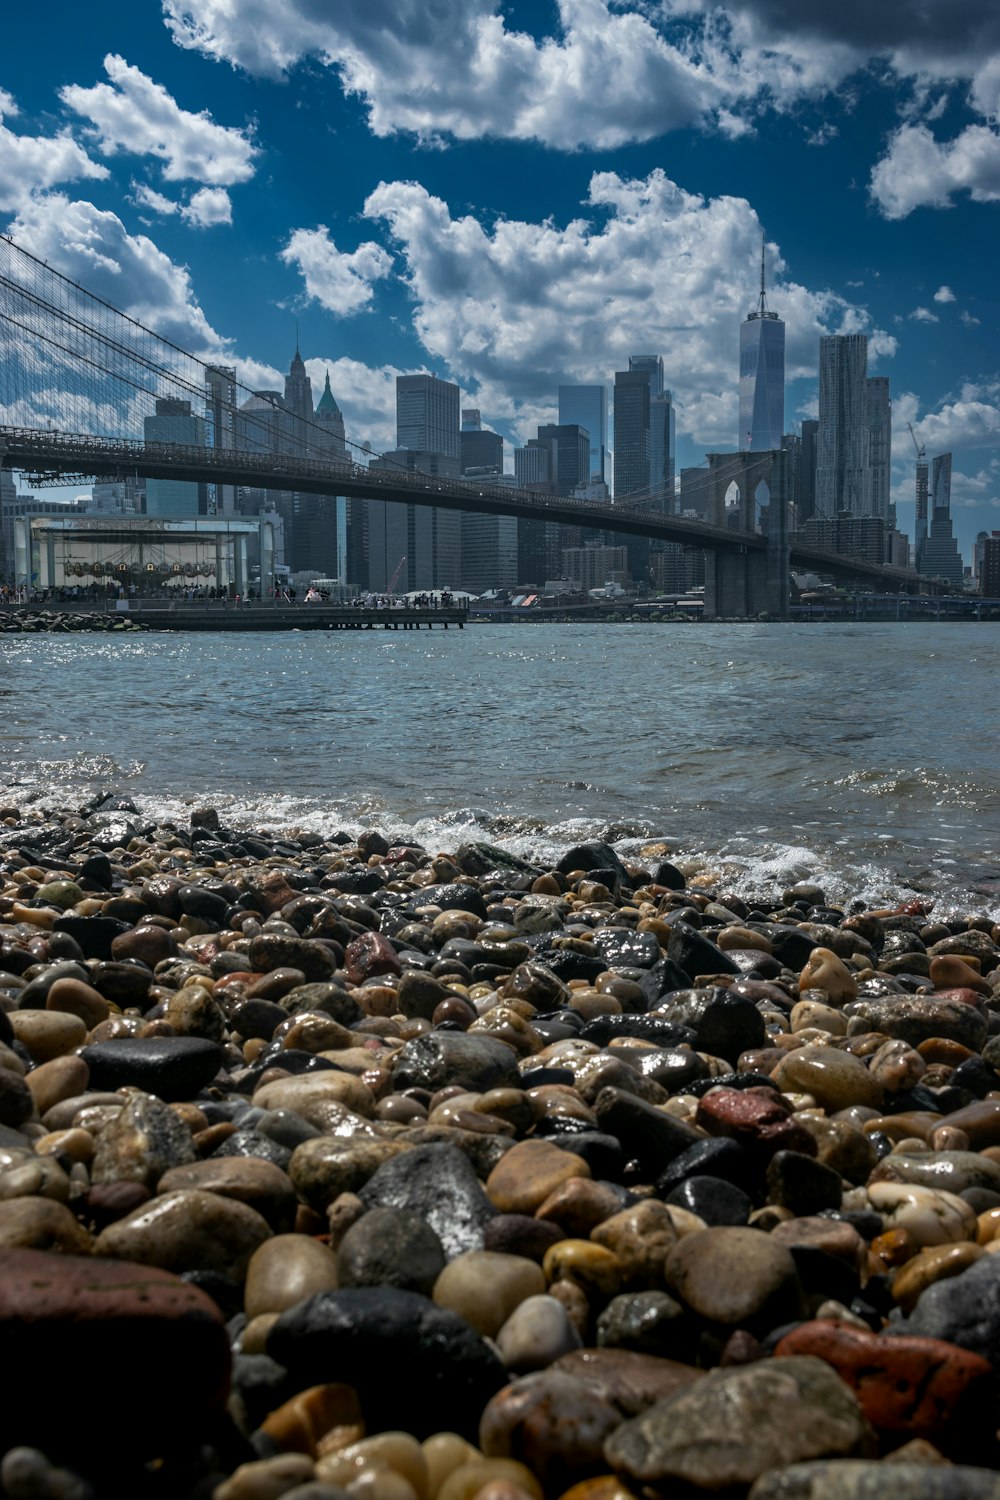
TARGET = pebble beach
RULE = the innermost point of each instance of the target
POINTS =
(333, 1165)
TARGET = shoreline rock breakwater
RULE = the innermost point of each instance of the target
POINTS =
(343, 1168)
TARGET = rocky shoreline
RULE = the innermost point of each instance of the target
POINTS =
(66, 622)
(336, 1167)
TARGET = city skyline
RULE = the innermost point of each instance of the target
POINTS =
(522, 237)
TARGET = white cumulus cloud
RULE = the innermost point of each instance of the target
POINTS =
(514, 308)
(919, 171)
(93, 247)
(944, 294)
(924, 315)
(340, 281)
(134, 115)
(33, 163)
(208, 206)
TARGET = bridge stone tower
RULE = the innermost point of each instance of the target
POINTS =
(743, 582)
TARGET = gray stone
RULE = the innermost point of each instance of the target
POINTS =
(442, 1058)
(724, 1432)
(391, 1247)
(963, 1310)
(438, 1184)
(145, 1140)
(851, 1479)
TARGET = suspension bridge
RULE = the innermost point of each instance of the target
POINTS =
(79, 378)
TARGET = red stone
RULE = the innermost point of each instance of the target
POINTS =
(368, 955)
(913, 1386)
(961, 993)
(759, 1120)
(135, 1336)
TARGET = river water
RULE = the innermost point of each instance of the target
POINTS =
(865, 756)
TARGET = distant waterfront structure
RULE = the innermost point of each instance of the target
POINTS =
(762, 375)
(855, 431)
(425, 540)
(939, 556)
(587, 406)
(644, 446)
(175, 422)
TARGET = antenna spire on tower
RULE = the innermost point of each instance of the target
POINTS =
(763, 295)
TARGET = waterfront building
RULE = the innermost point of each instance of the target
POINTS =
(175, 422)
(989, 567)
(762, 376)
(220, 417)
(586, 406)
(592, 567)
(119, 497)
(480, 451)
(939, 556)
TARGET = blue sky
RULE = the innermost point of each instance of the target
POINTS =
(517, 196)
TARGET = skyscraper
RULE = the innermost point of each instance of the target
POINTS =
(427, 415)
(939, 556)
(587, 406)
(877, 500)
(174, 422)
(842, 461)
(762, 376)
(644, 460)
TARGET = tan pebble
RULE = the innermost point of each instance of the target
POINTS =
(48, 1033)
(266, 1479)
(467, 1481)
(835, 1079)
(74, 1145)
(640, 1238)
(949, 1138)
(78, 999)
(579, 1206)
(284, 1270)
(596, 1270)
(397, 1451)
(603, 1487)
(254, 1337)
(948, 971)
(823, 970)
(484, 1287)
(807, 1014)
(36, 916)
(301, 1423)
(41, 1224)
(444, 1452)
(62, 1078)
(736, 938)
(932, 1216)
(989, 1224)
(938, 1263)
(527, 1173)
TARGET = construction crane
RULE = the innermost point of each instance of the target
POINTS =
(395, 577)
(920, 519)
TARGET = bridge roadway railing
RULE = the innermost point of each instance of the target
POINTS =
(82, 455)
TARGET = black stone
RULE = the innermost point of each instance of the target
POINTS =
(329, 999)
(667, 874)
(124, 981)
(257, 1019)
(712, 1199)
(536, 1078)
(439, 1185)
(173, 1068)
(97, 868)
(196, 901)
(620, 946)
(673, 1068)
(602, 1153)
(724, 1024)
(695, 954)
(93, 934)
(975, 1075)
(802, 1184)
(658, 1029)
(36, 991)
(453, 898)
(412, 1364)
(790, 945)
(648, 1135)
(593, 855)
(254, 1144)
(717, 1158)
(567, 965)
(662, 979)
